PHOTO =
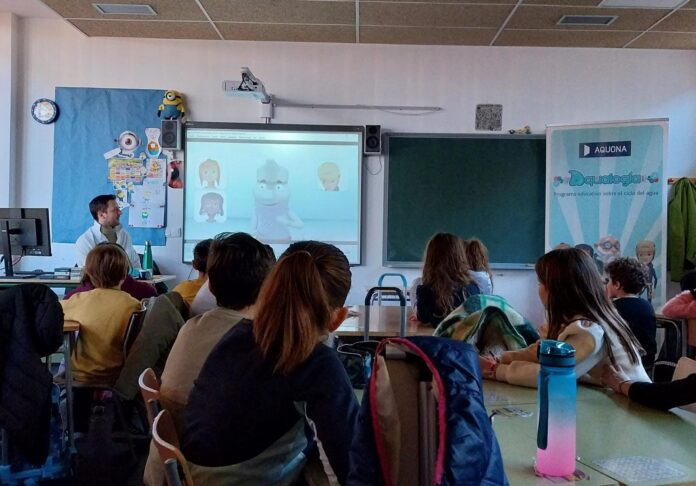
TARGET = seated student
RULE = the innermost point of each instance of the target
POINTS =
(189, 288)
(237, 266)
(446, 279)
(247, 415)
(137, 290)
(683, 304)
(579, 313)
(203, 301)
(627, 279)
(663, 396)
(477, 256)
(103, 314)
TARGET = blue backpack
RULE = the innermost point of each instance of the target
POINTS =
(422, 418)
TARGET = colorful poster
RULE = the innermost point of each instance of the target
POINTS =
(606, 193)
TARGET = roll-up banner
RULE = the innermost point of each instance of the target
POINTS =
(606, 193)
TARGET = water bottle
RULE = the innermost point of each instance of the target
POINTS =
(147, 256)
(556, 409)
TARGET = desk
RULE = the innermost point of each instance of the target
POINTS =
(385, 321)
(67, 284)
(608, 425)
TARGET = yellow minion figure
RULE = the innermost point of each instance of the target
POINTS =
(172, 106)
(329, 176)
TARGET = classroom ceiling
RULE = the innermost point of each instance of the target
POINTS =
(441, 22)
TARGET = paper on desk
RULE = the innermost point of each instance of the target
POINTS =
(640, 468)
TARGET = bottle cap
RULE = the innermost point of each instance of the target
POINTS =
(556, 353)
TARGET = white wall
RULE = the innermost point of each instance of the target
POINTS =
(8, 102)
(536, 86)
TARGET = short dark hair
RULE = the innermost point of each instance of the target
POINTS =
(100, 203)
(237, 266)
(631, 274)
(200, 255)
(688, 281)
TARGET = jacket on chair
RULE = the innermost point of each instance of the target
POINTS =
(31, 327)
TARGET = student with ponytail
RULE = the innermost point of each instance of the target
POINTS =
(269, 382)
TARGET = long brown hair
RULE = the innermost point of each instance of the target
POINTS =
(296, 302)
(445, 268)
(477, 256)
(574, 288)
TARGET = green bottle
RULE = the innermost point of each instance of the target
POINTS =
(147, 257)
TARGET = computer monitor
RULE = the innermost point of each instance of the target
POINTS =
(23, 232)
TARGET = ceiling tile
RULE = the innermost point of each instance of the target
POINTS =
(665, 40)
(426, 36)
(679, 21)
(491, 2)
(166, 9)
(286, 32)
(533, 17)
(571, 3)
(433, 15)
(148, 29)
(286, 12)
(563, 38)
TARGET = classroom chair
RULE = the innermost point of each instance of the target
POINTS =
(388, 295)
(670, 344)
(164, 435)
(135, 324)
(149, 389)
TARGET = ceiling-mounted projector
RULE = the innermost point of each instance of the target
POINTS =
(249, 87)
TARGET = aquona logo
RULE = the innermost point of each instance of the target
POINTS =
(605, 149)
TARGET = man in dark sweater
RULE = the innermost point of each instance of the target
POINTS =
(627, 279)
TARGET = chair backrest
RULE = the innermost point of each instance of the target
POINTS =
(669, 348)
(149, 389)
(135, 324)
(167, 443)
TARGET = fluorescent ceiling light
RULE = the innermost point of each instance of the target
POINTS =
(643, 3)
(123, 9)
(587, 19)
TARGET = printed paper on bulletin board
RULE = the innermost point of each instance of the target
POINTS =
(91, 119)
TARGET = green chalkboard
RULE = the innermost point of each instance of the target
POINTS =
(490, 187)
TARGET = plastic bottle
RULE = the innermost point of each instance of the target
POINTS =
(147, 256)
(556, 409)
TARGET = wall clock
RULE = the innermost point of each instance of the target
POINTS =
(44, 111)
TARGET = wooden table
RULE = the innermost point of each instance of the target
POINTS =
(385, 321)
(67, 284)
(608, 426)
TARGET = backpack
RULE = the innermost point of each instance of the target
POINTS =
(423, 420)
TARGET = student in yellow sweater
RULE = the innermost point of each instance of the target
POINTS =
(189, 288)
(103, 314)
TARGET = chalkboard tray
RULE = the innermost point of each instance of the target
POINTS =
(485, 186)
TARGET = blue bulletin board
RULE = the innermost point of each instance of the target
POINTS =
(90, 122)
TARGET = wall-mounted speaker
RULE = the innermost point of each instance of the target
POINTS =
(373, 139)
(171, 134)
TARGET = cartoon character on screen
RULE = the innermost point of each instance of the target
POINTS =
(329, 176)
(608, 249)
(211, 205)
(645, 253)
(209, 173)
(273, 217)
